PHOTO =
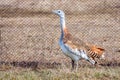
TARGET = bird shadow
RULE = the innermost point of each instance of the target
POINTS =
(45, 65)
(111, 64)
(30, 64)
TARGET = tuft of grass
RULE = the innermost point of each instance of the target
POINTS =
(99, 75)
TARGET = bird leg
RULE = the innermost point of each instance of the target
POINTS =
(76, 66)
(73, 64)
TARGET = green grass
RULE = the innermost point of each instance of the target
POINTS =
(85, 73)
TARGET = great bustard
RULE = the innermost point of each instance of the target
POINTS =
(75, 48)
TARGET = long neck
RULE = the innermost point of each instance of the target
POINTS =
(62, 25)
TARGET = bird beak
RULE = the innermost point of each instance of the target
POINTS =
(54, 11)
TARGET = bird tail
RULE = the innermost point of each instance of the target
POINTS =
(96, 52)
(86, 57)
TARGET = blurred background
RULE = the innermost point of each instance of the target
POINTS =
(29, 31)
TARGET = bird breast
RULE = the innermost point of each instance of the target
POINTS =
(69, 52)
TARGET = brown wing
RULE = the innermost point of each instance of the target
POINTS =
(78, 43)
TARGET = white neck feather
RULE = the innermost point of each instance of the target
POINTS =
(62, 22)
(62, 25)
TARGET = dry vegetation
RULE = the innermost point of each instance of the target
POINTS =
(85, 73)
(29, 47)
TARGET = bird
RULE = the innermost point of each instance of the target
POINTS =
(75, 48)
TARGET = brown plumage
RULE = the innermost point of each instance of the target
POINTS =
(93, 51)
(96, 52)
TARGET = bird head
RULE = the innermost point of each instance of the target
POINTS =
(59, 13)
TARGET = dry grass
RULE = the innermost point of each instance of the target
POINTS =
(45, 5)
(84, 73)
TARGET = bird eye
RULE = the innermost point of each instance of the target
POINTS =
(58, 11)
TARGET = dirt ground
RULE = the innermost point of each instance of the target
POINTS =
(30, 39)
